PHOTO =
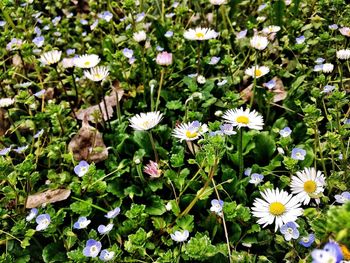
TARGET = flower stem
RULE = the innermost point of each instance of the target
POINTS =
(75, 89)
(153, 146)
(118, 107)
(90, 204)
(160, 87)
(198, 58)
(240, 152)
(65, 91)
(254, 82)
(224, 223)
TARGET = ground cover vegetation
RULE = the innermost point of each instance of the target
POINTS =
(174, 131)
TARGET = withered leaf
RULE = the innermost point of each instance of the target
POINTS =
(47, 197)
(88, 144)
(279, 92)
(111, 101)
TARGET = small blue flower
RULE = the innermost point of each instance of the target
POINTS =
(106, 15)
(328, 88)
(216, 206)
(70, 51)
(94, 25)
(256, 178)
(140, 17)
(289, 230)
(247, 171)
(82, 222)
(113, 213)
(128, 52)
(56, 20)
(347, 121)
(221, 83)
(271, 84)
(37, 31)
(307, 241)
(342, 198)
(40, 93)
(159, 48)
(214, 60)
(21, 149)
(92, 248)
(330, 253)
(5, 151)
(82, 168)
(38, 134)
(319, 60)
(169, 34)
(102, 229)
(300, 40)
(318, 67)
(106, 255)
(39, 41)
(170, 15)
(83, 21)
(285, 132)
(227, 129)
(262, 7)
(241, 34)
(32, 214)
(43, 222)
(2, 23)
(333, 26)
(298, 154)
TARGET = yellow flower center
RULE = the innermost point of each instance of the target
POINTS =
(310, 186)
(199, 35)
(87, 63)
(242, 119)
(191, 135)
(277, 208)
(258, 73)
(98, 76)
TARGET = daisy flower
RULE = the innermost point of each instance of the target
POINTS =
(327, 68)
(244, 118)
(97, 73)
(179, 236)
(259, 42)
(345, 31)
(145, 121)
(51, 57)
(190, 131)
(257, 71)
(218, 2)
(139, 36)
(200, 33)
(308, 184)
(153, 169)
(5, 102)
(343, 54)
(271, 29)
(86, 61)
(276, 206)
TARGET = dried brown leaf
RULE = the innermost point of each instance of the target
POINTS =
(88, 144)
(111, 101)
(47, 197)
(279, 92)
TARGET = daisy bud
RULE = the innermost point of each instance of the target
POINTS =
(164, 58)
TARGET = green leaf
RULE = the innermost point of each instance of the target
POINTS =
(156, 207)
(82, 208)
(185, 222)
(53, 253)
(265, 147)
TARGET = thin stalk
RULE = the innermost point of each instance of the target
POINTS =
(118, 107)
(10, 235)
(75, 89)
(65, 91)
(317, 139)
(153, 146)
(18, 135)
(160, 87)
(88, 203)
(254, 82)
(105, 105)
(139, 172)
(240, 153)
(194, 201)
(340, 69)
(99, 107)
(224, 223)
(198, 57)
